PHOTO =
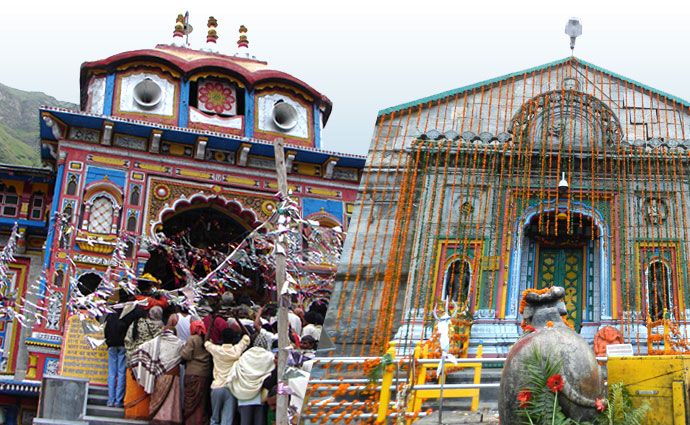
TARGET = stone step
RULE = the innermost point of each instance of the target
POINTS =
(97, 399)
(105, 411)
(100, 389)
(99, 420)
(458, 417)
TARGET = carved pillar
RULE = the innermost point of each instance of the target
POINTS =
(116, 219)
(87, 215)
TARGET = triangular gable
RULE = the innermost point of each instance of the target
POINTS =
(544, 67)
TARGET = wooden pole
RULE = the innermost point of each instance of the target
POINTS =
(283, 300)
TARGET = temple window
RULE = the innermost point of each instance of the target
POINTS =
(456, 281)
(135, 196)
(216, 97)
(72, 185)
(101, 217)
(37, 203)
(659, 290)
(67, 212)
(9, 201)
(58, 278)
(132, 223)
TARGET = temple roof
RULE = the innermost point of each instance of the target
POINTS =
(523, 73)
(188, 136)
(188, 61)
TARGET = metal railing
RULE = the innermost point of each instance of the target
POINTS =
(385, 386)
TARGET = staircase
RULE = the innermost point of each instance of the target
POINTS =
(98, 413)
(457, 411)
(465, 418)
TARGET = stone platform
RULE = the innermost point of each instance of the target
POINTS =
(487, 417)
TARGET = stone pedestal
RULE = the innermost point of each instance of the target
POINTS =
(63, 400)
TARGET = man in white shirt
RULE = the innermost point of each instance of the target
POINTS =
(224, 356)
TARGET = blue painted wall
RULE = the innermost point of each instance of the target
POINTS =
(313, 205)
(183, 120)
(109, 91)
(317, 127)
(51, 225)
(249, 113)
(117, 177)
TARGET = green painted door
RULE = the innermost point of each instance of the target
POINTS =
(564, 267)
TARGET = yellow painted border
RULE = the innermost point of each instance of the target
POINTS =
(306, 105)
(680, 283)
(143, 115)
(218, 75)
(475, 262)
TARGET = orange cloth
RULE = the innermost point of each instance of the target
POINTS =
(136, 399)
(162, 302)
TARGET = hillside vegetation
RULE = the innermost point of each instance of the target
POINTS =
(19, 139)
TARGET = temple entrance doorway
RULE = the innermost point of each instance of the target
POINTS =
(203, 233)
(561, 256)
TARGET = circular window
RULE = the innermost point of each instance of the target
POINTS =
(147, 93)
(284, 116)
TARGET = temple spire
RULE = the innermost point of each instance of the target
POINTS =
(212, 35)
(243, 44)
(178, 34)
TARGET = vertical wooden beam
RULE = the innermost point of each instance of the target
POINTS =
(283, 300)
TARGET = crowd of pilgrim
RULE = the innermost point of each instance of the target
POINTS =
(219, 366)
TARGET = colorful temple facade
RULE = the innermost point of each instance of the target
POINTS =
(564, 174)
(166, 137)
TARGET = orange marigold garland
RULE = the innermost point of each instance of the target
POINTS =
(523, 301)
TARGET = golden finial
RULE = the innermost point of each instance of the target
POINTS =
(243, 42)
(212, 35)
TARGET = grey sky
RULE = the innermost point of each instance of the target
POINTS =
(364, 55)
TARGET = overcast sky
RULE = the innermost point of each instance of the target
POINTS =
(364, 55)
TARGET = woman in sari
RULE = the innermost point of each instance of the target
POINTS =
(198, 376)
(140, 331)
(156, 366)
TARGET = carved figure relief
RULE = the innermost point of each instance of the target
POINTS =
(51, 367)
(54, 311)
(467, 208)
(655, 210)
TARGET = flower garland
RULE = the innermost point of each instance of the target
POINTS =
(527, 328)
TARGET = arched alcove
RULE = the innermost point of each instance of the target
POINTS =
(456, 281)
(88, 283)
(659, 289)
(196, 226)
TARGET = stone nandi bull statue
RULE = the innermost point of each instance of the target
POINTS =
(581, 373)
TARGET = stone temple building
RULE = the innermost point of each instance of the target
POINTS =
(170, 140)
(564, 174)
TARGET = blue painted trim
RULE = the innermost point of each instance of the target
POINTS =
(22, 223)
(189, 136)
(317, 127)
(183, 120)
(109, 91)
(51, 226)
(109, 94)
(464, 89)
(43, 342)
(249, 113)
(26, 178)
